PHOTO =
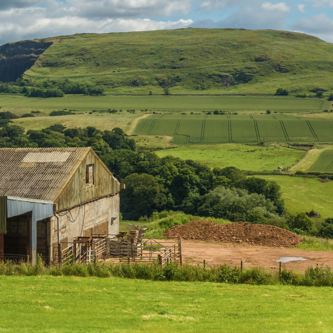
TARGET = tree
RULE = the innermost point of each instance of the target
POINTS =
(300, 222)
(330, 97)
(142, 196)
(118, 139)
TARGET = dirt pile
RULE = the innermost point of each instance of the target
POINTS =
(254, 234)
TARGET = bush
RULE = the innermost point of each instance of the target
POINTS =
(43, 92)
(326, 229)
(256, 276)
(281, 92)
(300, 222)
(330, 98)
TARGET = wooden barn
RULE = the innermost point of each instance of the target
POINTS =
(50, 197)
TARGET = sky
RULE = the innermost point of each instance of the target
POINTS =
(27, 19)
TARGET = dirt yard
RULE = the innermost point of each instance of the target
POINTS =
(195, 252)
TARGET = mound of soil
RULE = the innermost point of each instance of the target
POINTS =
(254, 234)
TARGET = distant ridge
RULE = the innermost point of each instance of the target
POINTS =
(185, 60)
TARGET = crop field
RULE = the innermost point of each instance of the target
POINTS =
(324, 163)
(256, 104)
(91, 305)
(194, 129)
(305, 194)
(318, 160)
(244, 157)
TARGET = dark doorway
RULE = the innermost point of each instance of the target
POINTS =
(17, 240)
(43, 244)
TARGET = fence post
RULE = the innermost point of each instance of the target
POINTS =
(280, 269)
(204, 264)
(180, 246)
(241, 266)
(159, 259)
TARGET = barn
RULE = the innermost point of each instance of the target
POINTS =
(49, 197)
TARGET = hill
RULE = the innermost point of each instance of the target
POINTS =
(189, 61)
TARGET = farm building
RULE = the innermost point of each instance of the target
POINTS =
(50, 197)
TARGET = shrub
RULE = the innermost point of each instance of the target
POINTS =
(228, 274)
(281, 92)
(256, 276)
(289, 278)
(326, 229)
(300, 222)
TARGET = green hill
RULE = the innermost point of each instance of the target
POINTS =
(190, 60)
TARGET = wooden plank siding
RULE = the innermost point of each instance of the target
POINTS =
(79, 190)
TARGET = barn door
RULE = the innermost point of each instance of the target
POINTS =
(43, 244)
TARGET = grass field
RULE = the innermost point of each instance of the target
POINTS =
(319, 160)
(304, 194)
(23, 104)
(244, 157)
(100, 121)
(91, 305)
(192, 129)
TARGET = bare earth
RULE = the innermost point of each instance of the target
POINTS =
(195, 252)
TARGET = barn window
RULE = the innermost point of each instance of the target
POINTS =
(90, 174)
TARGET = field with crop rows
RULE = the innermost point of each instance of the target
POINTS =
(324, 163)
(194, 129)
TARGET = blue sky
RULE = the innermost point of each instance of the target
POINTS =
(25, 19)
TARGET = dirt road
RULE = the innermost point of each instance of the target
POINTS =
(195, 252)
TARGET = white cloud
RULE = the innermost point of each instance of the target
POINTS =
(322, 3)
(128, 8)
(301, 7)
(280, 6)
(27, 23)
(320, 25)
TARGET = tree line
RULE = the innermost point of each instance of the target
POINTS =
(169, 183)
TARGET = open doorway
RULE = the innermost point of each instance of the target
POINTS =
(17, 240)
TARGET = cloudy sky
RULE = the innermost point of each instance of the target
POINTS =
(25, 19)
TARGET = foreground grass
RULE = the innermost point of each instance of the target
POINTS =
(305, 194)
(244, 157)
(71, 304)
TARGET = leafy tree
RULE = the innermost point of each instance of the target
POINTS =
(144, 193)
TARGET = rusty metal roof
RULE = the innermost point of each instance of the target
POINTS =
(37, 173)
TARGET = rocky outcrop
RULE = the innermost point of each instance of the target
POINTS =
(16, 58)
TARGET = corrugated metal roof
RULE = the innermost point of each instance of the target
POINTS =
(37, 173)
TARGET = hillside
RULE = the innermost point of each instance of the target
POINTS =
(190, 60)
(16, 58)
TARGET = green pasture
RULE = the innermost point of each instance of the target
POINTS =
(23, 104)
(207, 129)
(324, 163)
(303, 194)
(101, 121)
(227, 60)
(244, 157)
(318, 160)
(72, 305)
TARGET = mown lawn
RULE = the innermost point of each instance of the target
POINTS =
(244, 157)
(71, 304)
(303, 194)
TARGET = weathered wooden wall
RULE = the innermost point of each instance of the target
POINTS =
(77, 192)
(94, 217)
(2, 245)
